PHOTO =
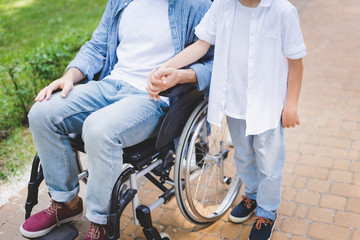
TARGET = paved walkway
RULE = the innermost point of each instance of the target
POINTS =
(321, 187)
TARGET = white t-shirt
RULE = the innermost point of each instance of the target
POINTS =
(145, 41)
(235, 104)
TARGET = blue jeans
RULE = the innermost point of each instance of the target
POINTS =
(260, 163)
(110, 115)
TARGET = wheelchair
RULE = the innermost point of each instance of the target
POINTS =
(188, 160)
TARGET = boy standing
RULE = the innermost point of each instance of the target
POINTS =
(256, 82)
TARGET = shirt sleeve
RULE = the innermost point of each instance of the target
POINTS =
(91, 56)
(293, 42)
(206, 30)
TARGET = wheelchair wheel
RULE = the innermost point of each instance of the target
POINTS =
(205, 175)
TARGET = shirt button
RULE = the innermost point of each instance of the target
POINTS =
(126, 4)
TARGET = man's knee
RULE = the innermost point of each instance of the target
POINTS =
(96, 132)
(39, 113)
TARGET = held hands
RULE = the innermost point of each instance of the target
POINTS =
(161, 80)
(290, 117)
(62, 83)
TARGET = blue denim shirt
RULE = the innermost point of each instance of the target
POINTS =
(99, 54)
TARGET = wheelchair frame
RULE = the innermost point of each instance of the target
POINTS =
(152, 159)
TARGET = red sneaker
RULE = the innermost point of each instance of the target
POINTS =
(43, 222)
(97, 232)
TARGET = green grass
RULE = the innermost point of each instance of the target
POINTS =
(24, 26)
(15, 152)
(26, 23)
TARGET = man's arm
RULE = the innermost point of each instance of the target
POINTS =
(91, 57)
(290, 116)
(66, 83)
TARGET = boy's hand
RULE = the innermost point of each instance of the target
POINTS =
(290, 117)
(161, 80)
(156, 84)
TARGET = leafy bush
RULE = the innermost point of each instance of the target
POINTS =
(22, 78)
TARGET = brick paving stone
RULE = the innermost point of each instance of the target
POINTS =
(331, 152)
(279, 236)
(180, 234)
(341, 164)
(341, 176)
(288, 180)
(347, 219)
(214, 229)
(317, 161)
(287, 208)
(353, 205)
(245, 232)
(323, 215)
(356, 179)
(335, 142)
(311, 172)
(288, 194)
(171, 218)
(230, 231)
(298, 238)
(292, 156)
(318, 185)
(356, 235)
(347, 190)
(306, 197)
(210, 238)
(355, 167)
(353, 155)
(300, 182)
(294, 226)
(333, 202)
(328, 232)
(301, 211)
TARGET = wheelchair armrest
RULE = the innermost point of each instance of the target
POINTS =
(179, 89)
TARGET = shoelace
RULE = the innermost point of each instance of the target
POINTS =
(94, 232)
(262, 220)
(247, 201)
(54, 209)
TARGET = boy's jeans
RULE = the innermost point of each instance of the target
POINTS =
(260, 163)
(111, 115)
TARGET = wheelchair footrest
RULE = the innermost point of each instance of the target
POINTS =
(143, 214)
(65, 231)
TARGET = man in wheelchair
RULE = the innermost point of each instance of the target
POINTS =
(133, 37)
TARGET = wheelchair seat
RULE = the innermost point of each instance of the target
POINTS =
(137, 155)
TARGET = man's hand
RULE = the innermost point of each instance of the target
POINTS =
(161, 80)
(66, 83)
(290, 117)
(62, 83)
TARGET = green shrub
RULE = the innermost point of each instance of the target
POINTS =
(21, 79)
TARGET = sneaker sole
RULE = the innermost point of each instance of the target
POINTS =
(41, 233)
(270, 233)
(240, 219)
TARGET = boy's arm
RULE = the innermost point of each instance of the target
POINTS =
(290, 116)
(189, 55)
